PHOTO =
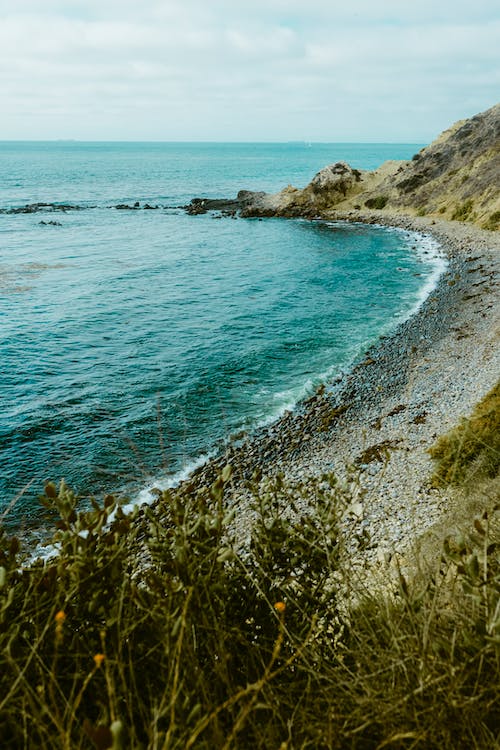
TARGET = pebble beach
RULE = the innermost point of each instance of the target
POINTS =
(384, 415)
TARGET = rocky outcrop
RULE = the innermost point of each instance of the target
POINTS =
(328, 187)
(33, 208)
(226, 206)
(337, 179)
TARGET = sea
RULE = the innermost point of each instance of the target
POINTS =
(135, 343)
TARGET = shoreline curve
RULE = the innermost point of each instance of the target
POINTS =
(412, 385)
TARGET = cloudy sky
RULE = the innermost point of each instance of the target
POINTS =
(249, 70)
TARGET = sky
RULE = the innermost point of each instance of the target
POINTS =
(245, 70)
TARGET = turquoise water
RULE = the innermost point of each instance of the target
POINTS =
(133, 342)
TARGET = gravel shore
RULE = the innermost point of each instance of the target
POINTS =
(423, 379)
(385, 414)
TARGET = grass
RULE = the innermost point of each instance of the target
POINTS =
(178, 628)
(157, 633)
(493, 222)
(471, 450)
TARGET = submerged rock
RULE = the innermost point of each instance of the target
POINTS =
(33, 208)
(226, 206)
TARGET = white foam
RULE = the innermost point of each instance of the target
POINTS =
(428, 250)
(43, 552)
(147, 495)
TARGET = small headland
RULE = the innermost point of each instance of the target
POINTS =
(454, 178)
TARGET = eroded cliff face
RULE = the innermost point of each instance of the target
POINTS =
(456, 177)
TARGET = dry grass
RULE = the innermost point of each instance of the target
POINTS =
(152, 632)
(471, 451)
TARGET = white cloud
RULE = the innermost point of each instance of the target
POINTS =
(267, 70)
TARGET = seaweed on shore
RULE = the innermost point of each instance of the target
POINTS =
(379, 452)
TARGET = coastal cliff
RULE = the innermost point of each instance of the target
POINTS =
(457, 177)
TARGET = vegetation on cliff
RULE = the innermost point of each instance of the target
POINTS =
(457, 176)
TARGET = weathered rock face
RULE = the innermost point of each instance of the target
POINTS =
(336, 178)
(328, 187)
(457, 148)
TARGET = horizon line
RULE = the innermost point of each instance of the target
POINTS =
(219, 142)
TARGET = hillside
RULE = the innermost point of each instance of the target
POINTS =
(457, 176)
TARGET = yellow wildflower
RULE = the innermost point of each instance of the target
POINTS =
(98, 659)
(60, 617)
(280, 607)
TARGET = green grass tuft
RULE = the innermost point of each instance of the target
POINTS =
(493, 222)
(464, 211)
(379, 202)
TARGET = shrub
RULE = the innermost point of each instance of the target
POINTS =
(379, 202)
(463, 211)
(493, 221)
(160, 631)
(154, 625)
